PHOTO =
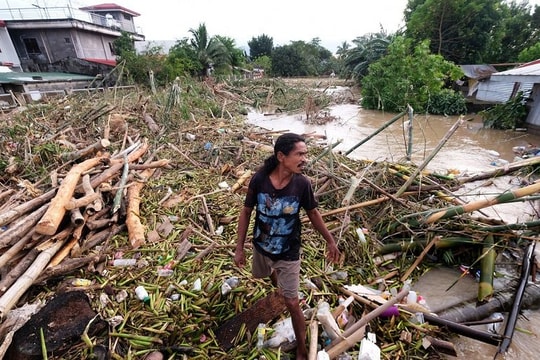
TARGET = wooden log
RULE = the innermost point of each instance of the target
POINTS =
(19, 269)
(263, 311)
(97, 204)
(20, 210)
(89, 150)
(48, 225)
(21, 227)
(136, 230)
(241, 180)
(150, 123)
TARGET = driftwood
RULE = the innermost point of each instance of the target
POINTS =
(21, 227)
(87, 151)
(48, 225)
(150, 123)
(136, 231)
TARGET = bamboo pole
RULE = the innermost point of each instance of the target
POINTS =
(48, 225)
(430, 157)
(387, 124)
(10, 298)
(487, 267)
(420, 258)
(428, 217)
(343, 343)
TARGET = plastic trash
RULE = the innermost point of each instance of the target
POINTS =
(142, 294)
(261, 330)
(368, 349)
(124, 262)
(283, 332)
(327, 321)
(197, 285)
(323, 355)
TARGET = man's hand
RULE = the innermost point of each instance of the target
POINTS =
(239, 257)
(332, 253)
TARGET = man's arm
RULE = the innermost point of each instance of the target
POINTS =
(243, 224)
(316, 219)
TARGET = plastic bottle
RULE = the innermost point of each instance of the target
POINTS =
(261, 330)
(124, 262)
(411, 297)
(142, 294)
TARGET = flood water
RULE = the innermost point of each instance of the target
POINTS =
(469, 150)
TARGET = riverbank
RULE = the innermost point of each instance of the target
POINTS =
(189, 155)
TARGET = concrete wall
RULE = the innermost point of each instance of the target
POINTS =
(57, 45)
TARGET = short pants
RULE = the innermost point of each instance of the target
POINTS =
(288, 272)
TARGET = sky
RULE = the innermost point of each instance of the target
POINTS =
(332, 21)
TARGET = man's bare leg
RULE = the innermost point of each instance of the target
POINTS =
(299, 326)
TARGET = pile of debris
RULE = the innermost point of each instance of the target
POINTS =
(119, 212)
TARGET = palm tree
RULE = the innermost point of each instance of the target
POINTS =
(210, 50)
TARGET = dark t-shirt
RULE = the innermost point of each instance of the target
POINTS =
(276, 233)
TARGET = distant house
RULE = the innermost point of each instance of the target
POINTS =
(524, 78)
(65, 38)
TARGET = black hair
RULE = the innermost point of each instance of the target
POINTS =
(284, 143)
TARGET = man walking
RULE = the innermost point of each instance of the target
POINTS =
(278, 191)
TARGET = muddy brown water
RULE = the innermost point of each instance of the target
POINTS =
(470, 149)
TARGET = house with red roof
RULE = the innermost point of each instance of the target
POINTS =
(77, 40)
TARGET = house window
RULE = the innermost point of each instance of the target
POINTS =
(67, 40)
(32, 46)
(111, 47)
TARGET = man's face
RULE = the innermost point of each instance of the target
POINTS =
(297, 158)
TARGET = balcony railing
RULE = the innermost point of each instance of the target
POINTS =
(64, 13)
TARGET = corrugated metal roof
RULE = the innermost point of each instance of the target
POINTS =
(519, 74)
(21, 78)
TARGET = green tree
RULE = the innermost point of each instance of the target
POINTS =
(288, 60)
(183, 60)
(367, 50)
(472, 31)
(261, 45)
(237, 56)
(407, 75)
(211, 53)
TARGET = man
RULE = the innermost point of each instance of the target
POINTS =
(278, 191)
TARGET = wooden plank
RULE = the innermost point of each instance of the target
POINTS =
(263, 311)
